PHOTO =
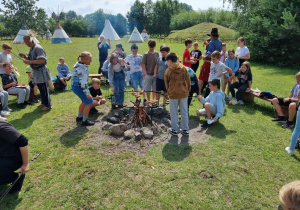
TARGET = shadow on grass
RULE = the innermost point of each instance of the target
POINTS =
(175, 151)
(28, 118)
(11, 201)
(218, 130)
(72, 137)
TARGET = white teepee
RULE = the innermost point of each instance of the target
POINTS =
(59, 35)
(48, 34)
(135, 36)
(23, 31)
(144, 35)
(109, 32)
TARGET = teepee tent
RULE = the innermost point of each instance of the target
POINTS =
(135, 36)
(22, 32)
(109, 32)
(60, 35)
(48, 34)
(144, 35)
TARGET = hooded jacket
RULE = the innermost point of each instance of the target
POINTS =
(177, 81)
(80, 77)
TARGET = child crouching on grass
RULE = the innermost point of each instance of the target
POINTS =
(214, 103)
(96, 93)
(243, 84)
(80, 88)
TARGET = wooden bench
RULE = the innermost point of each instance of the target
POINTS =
(284, 109)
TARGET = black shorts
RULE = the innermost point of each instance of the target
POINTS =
(160, 85)
(282, 103)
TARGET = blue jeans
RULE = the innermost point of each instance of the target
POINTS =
(137, 79)
(119, 86)
(296, 132)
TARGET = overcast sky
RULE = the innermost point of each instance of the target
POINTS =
(114, 7)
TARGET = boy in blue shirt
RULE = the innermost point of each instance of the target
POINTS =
(214, 103)
(63, 72)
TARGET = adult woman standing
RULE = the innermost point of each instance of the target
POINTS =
(37, 60)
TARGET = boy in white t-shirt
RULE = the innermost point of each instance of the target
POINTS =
(217, 69)
(136, 71)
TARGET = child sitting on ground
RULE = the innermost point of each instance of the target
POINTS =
(136, 71)
(214, 103)
(96, 93)
(204, 73)
(243, 84)
(63, 72)
(233, 63)
(10, 84)
(159, 74)
(4, 102)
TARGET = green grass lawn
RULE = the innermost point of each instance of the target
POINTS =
(242, 165)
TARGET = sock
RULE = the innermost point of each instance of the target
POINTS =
(80, 114)
(84, 118)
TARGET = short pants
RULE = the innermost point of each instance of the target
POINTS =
(79, 92)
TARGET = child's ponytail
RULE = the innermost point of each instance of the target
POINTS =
(83, 55)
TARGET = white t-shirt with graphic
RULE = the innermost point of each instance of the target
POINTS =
(135, 62)
(215, 70)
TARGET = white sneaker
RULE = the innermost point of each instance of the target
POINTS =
(241, 102)
(289, 151)
(5, 114)
(210, 121)
(67, 87)
(127, 84)
(233, 101)
(3, 118)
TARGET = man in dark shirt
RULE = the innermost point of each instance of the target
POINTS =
(103, 51)
(13, 155)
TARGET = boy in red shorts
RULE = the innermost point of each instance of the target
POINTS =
(204, 73)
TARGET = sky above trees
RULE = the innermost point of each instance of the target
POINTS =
(113, 7)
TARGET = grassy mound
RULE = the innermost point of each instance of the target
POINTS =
(200, 31)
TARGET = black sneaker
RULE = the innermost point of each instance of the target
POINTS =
(205, 125)
(22, 106)
(35, 100)
(279, 119)
(185, 133)
(173, 132)
(87, 123)
(79, 119)
(28, 103)
(288, 124)
(113, 106)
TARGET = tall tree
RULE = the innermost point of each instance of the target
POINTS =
(16, 12)
(136, 16)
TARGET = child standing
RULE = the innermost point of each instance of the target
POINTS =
(80, 87)
(194, 85)
(178, 84)
(103, 51)
(217, 69)
(233, 63)
(63, 72)
(296, 131)
(148, 64)
(119, 51)
(197, 55)
(136, 71)
(244, 76)
(204, 73)
(159, 73)
(97, 94)
(224, 54)
(186, 61)
(116, 77)
(214, 103)
(242, 52)
(10, 84)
